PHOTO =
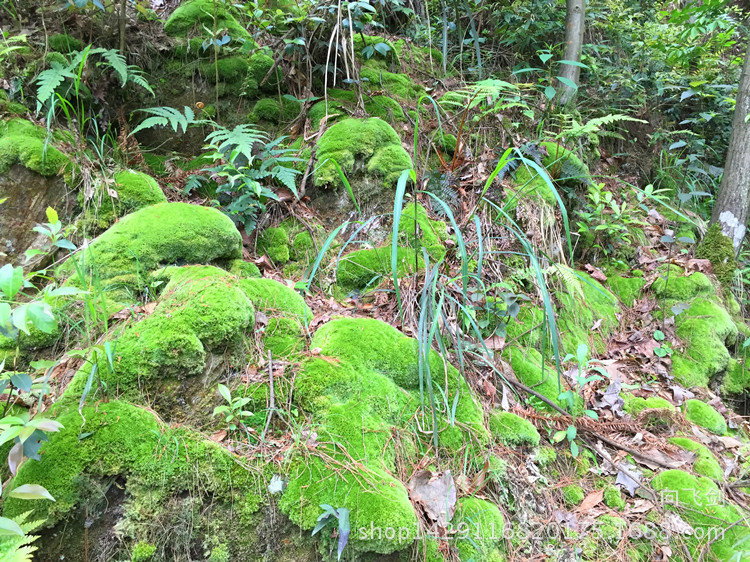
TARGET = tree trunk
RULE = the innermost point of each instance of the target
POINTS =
(574, 26)
(123, 22)
(732, 208)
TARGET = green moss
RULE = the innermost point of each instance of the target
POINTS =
(706, 463)
(627, 289)
(64, 43)
(22, 142)
(385, 108)
(545, 456)
(682, 288)
(573, 494)
(194, 14)
(143, 552)
(364, 268)
(528, 367)
(135, 190)
(706, 328)
(120, 439)
(260, 65)
(737, 378)
(397, 85)
(274, 243)
(699, 502)
(718, 249)
(230, 70)
(483, 526)
(580, 310)
(613, 498)
(512, 430)
(371, 142)
(706, 416)
(562, 166)
(288, 315)
(153, 237)
(430, 234)
(634, 405)
(201, 310)
(243, 269)
(362, 389)
(319, 110)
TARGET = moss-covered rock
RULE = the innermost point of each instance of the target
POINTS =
(260, 65)
(385, 108)
(706, 328)
(512, 430)
(243, 269)
(417, 230)
(484, 526)
(22, 142)
(528, 366)
(681, 287)
(627, 289)
(718, 249)
(231, 70)
(193, 15)
(363, 388)
(705, 416)
(155, 236)
(369, 146)
(365, 268)
(736, 379)
(706, 463)
(634, 405)
(562, 166)
(119, 439)
(700, 502)
(274, 243)
(397, 85)
(134, 190)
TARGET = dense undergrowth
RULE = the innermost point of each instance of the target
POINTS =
(296, 281)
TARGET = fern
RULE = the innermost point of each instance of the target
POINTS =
(168, 117)
(573, 129)
(118, 64)
(236, 142)
(571, 281)
(15, 548)
(49, 80)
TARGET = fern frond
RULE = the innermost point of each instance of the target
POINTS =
(236, 142)
(19, 549)
(167, 117)
(49, 80)
(118, 63)
(571, 282)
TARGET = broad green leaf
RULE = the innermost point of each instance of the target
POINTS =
(52, 215)
(11, 280)
(10, 527)
(550, 92)
(31, 492)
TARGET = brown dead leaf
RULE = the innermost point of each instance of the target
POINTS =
(219, 436)
(730, 442)
(595, 273)
(590, 501)
(495, 343)
(263, 263)
(695, 264)
(435, 493)
(489, 390)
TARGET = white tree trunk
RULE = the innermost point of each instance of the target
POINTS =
(574, 27)
(732, 208)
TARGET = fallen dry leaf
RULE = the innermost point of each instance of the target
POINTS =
(435, 493)
(590, 501)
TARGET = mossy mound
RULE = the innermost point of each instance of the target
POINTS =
(363, 388)
(706, 328)
(705, 416)
(287, 313)
(64, 43)
(260, 65)
(417, 230)
(528, 366)
(270, 110)
(153, 237)
(512, 430)
(700, 502)
(397, 85)
(718, 249)
(581, 307)
(155, 463)
(484, 526)
(706, 463)
(199, 322)
(573, 494)
(22, 142)
(134, 190)
(613, 498)
(363, 269)
(562, 166)
(195, 14)
(627, 289)
(290, 244)
(231, 70)
(634, 405)
(385, 108)
(361, 146)
(682, 288)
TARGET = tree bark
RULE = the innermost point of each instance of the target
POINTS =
(732, 208)
(123, 23)
(575, 16)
